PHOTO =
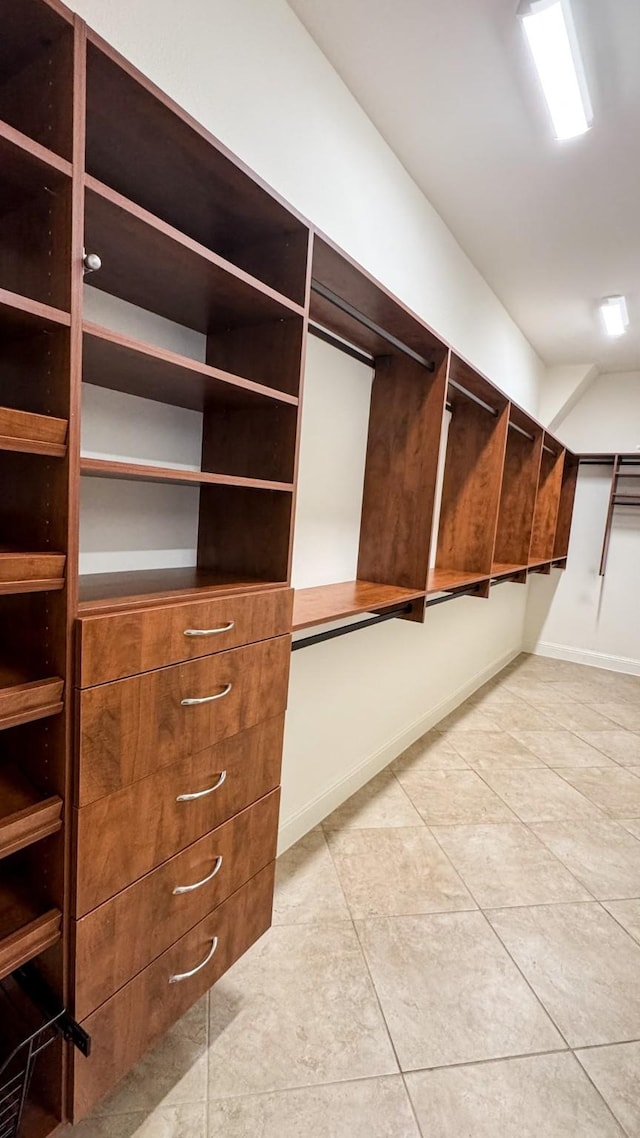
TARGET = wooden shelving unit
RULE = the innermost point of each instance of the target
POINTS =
(95, 159)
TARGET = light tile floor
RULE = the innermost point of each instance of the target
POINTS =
(455, 951)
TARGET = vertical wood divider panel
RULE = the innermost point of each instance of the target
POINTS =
(518, 494)
(547, 501)
(407, 406)
(565, 509)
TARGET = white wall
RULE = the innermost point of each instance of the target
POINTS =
(582, 616)
(251, 73)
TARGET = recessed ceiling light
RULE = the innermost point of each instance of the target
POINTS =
(614, 315)
(552, 38)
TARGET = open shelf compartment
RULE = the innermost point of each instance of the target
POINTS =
(36, 58)
(472, 481)
(134, 133)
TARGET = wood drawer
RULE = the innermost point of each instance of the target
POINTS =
(133, 1020)
(121, 937)
(252, 762)
(130, 728)
(115, 645)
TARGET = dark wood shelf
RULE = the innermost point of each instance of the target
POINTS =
(503, 569)
(32, 434)
(24, 699)
(25, 816)
(121, 364)
(151, 264)
(324, 603)
(18, 311)
(446, 580)
(100, 591)
(24, 164)
(25, 931)
(30, 572)
(137, 472)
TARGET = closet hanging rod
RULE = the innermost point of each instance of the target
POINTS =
(521, 431)
(390, 614)
(549, 450)
(474, 398)
(332, 633)
(328, 337)
(360, 318)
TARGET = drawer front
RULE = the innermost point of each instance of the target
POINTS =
(121, 937)
(133, 1020)
(235, 773)
(130, 728)
(116, 645)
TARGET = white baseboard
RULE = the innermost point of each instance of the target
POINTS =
(291, 829)
(586, 656)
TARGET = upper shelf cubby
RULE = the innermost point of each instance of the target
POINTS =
(36, 72)
(142, 145)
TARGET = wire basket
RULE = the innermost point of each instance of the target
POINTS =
(16, 1070)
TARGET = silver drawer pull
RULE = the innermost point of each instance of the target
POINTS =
(207, 698)
(194, 971)
(203, 793)
(209, 631)
(198, 884)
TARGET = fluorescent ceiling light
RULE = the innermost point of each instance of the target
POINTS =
(614, 315)
(551, 34)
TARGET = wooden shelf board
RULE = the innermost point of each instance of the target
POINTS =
(25, 931)
(24, 699)
(112, 591)
(32, 434)
(116, 362)
(137, 472)
(25, 816)
(539, 564)
(22, 572)
(153, 265)
(27, 167)
(444, 580)
(502, 569)
(324, 603)
(21, 311)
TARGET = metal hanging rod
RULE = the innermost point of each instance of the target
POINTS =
(390, 614)
(548, 450)
(521, 431)
(473, 398)
(360, 318)
(342, 345)
(344, 629)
